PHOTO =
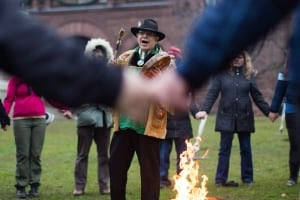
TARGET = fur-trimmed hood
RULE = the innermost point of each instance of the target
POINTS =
(94, 42)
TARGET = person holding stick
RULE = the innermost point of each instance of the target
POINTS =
(179, 129)
(143, 137)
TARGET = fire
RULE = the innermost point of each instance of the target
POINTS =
(187, 182)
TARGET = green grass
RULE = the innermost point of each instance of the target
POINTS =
(270, 155)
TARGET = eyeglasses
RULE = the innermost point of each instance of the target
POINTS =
(149, 33)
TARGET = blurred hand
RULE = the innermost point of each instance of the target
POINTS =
(165, 89)
(67, 114)
(135, 95)
(273, 116)
(200, 115)
(170, 89)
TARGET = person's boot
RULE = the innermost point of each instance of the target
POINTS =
(33, 192)
(104, 191)
(21, 193)
(78, 192)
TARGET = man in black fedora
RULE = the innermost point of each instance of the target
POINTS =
(140, 137)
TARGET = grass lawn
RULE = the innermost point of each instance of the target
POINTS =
(270, 154)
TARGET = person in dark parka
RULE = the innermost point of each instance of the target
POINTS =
(179, 129)
(235, 115)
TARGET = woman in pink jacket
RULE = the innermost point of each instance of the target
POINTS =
(29, 130)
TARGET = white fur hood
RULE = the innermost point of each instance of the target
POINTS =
(94, 42)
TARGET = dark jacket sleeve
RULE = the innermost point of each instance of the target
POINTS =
(4, 119)
(58, 105)
(258, 98)
(194, 108)
(55, 68)
(279, 94)
(212, 94)
(223, 31)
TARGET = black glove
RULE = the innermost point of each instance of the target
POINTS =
(4, 119)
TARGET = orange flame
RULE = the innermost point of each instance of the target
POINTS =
(187, 182)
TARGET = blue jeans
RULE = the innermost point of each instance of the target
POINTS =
(165, 151)
(292, 124)
(224, 157)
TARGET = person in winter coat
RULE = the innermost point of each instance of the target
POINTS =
(235, 115)
(29, 131)
(93, 123)
(179, 129)
(284, 93)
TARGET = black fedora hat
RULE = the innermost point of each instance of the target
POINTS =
(148, 25)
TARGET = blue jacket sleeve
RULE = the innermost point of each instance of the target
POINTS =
(279, 94)
(225, 30)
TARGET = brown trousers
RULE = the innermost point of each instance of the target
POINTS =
(86, 135)
(124, 144)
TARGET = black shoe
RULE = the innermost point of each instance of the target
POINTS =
(249, 184)
(165, 183)
(291, 182)
(21, 193)
(227, 184)
(33, 192)
(219, 184)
